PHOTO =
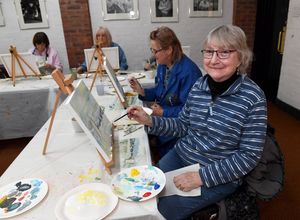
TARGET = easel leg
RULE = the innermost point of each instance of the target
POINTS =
(93, 82)
(13, 69)
(107, 165)
(51, 120)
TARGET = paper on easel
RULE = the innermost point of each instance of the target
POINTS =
(171, 189)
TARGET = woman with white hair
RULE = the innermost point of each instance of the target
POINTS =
(222, 126)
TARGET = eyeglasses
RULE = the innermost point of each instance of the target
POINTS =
(222, 54)
(154, 51)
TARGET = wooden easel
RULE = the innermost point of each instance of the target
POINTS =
(99, 54)
(16, 57)
(66, 87)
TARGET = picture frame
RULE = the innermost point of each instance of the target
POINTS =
(31, 14)
(112, 54)
(92, 119)
(29, 58)
(164, 10)
(120, 9)
(115, 82)
(2, 21)
(205, 8)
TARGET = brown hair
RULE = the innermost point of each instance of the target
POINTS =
(39, 38)
(167, 38)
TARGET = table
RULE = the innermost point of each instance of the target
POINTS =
(70, 156)
(24, 108)
(27, 106)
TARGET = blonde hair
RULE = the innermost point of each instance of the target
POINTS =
(232, 37)
(107, 33)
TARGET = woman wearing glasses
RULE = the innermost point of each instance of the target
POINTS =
(176, 74)
(222, 126)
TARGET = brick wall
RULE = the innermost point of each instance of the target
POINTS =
(244, 16)
(77, 29)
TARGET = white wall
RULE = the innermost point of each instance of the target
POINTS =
(11, 34)
(289, 84)
(133, 35)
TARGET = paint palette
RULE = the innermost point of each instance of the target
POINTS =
(138, 183)
(86, 202)
(20, 196)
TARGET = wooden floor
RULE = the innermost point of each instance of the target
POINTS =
(287, 131)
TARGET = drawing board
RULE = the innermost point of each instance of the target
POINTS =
(90, 116)
(27, 57)
(112, 54)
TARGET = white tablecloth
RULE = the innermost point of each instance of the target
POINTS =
(24, 108)
(69, 158)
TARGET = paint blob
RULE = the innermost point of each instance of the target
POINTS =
(138, 183)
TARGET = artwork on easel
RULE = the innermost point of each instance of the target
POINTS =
(115, 82)
(27, 57)
(112, 54)
(90, 116)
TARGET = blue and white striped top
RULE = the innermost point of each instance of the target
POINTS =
(225, 136)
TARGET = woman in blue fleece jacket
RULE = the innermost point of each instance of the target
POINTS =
(104, 38)
(222, 126)
(176, 74)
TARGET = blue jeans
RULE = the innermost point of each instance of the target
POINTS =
(179, 207)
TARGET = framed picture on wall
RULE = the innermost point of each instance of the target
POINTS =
(2, 23)
(205, 8)
(164, 10)
(31, 14)
(120, 9)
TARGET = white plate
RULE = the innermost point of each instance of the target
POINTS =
(149, 111)
(138, 183)
(20, 196)
(121, 78)
(136, 75)
(86, 202)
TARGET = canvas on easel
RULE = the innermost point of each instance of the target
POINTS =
(112, 54)
(28, 57)
(19, 64)
(115, 82)
(90, 116)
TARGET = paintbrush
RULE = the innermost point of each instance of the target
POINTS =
(121, 117)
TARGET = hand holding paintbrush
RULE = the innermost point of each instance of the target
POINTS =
(143, 110)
